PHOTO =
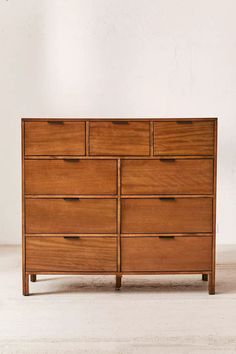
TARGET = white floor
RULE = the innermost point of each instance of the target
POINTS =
(81, 314)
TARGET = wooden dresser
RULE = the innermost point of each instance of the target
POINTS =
(119, 196)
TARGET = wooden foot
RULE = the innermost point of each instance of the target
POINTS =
(204, 277)
(118, 282)
(33, 277)
(211, 284)
(25, 284)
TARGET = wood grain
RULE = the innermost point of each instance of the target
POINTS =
(155, 215)
(42, 138)
(66, 177)
(71, 216)
(75, 235)
(118, 213)
(117, 171)
(151, 138)
(59, 254)
(33, 278)
(87, 138)
(107, 157)
(211, 278)
(172, 138)
(155, 254)
(167, 176)
(157, 119)
(107, 138)
(25, 277)
(179, 234)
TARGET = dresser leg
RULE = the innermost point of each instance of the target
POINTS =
(211, 284)
(33, 277)
(25, 284)
(118, 282)
(204, 277)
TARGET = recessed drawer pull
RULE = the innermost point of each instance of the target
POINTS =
(167, 160)
(71, 237)
(167, 237)
(119, 122)
(71, 160)
(58, 122)
(184, 122)
(167, 199)
(71, 199)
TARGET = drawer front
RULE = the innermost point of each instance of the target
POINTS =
(60, 254)
(70, 177)
(119, 138)
(51, 216)
(190, 253)
(173, 138)
(55, 138)
(167, 176)
(166, 215)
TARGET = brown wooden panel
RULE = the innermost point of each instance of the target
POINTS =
(71, 177)
(43, 138)
(60, 254)
(167, 215)
(167, 176)
(107, 138)
(161, 254)
(71, 216)
(173, 138)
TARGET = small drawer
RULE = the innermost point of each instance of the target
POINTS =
(166, 215)
(60, 254)
(187, 253)
(55, 138)
(119, 138)
(167, 176)
(184, 138)
(59, 216)
(70, 176)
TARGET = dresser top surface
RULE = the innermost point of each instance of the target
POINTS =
(38, 119)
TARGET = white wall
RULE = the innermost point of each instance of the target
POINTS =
(116, 58)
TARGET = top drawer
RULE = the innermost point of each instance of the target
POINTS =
(119, 138)
(55, 138)
(184, 138)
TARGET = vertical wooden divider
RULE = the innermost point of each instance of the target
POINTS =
(87, 138)
(118, 215)
(25, 277)
(151, 138)
(211, 278)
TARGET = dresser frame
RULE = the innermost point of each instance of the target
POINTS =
(206, 276)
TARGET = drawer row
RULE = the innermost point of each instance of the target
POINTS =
(119, 138)
(96, 176)
(99, 216)
(187, 253)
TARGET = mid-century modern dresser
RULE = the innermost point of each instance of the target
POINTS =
(119, 196)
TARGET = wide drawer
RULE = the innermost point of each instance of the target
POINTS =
(55, 138)
(179, 138)
(167, 176)
(70, 254)
(190, 253)
(70, 176)
(51, 216)
(119, 138)
(167, 215)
